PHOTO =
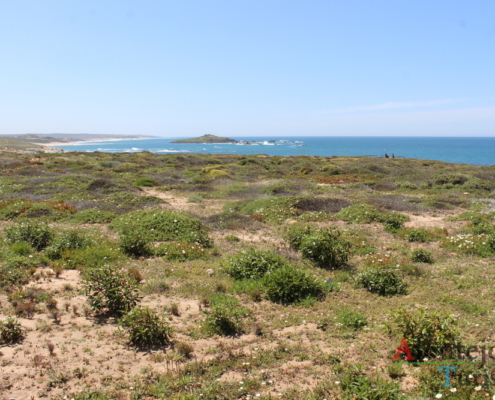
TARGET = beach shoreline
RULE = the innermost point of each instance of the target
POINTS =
(79, 142)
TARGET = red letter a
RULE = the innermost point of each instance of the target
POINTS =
(403, 348)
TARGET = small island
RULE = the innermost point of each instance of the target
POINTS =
(206, 139)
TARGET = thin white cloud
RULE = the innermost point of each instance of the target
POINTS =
(391, 106)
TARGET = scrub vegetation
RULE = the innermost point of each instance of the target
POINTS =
(146, 276)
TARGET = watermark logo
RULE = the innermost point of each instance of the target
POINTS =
(464, 355)
(402, 350)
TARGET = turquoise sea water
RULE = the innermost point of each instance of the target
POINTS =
(476, 151)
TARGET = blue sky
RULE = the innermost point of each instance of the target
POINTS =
(248, 68)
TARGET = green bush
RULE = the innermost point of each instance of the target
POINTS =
(93, 216)
(447, 180)
(359, 213)
(253, 264)
(135, 243)
(110, 288)
(355, 384)
(393, 221)
(161, 226)
(21, 248)
(481, 245)
(232, 238)
(287, 285)
(68, 240)
(428, 334)
(177, 251)
(422, 256)
(13, 276)
(91, 257)
(38, 236)
(382, 281)
(225, 316)
(326, 248)
(145, 327)
(294, 234)
(416, 235)
(351, 319)
(365, 214)
(11, 331)
(272, 209)
(26, 210)
(145, 182)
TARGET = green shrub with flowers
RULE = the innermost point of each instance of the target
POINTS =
(37, 235)
(139, 229)
(482, 245)
(179, 251)
(375, 260)
(271, 209)
(22, 209)
(366, 213)
(91, 257)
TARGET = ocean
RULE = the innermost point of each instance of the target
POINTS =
(474, 150)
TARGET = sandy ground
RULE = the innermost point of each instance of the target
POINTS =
(64, 356)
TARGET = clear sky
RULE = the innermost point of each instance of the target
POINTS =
(248, 67)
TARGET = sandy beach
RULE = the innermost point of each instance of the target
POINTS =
(77, 142)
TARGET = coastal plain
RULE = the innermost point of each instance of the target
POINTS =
(199, 240)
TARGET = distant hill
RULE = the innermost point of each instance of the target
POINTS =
(206, 139)
(43, 138)
(17, 146)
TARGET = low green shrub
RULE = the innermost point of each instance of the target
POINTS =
(26, 210)
(37, 235)
(422, 256)
(478, 184)
(382, 281)
(195, 198)
(359, 214)
(93, 216)
(366, 213)
(145, 182)
(232, 238)
(351, 319)
(135, 243)
(481, 245)
(148, 226)
(428, 333)
(252, 287)
(145, 328)
(393, 221)
(273, 209)
(13, 276)
(177, 251)
(294, 234)
(91, 257)
(355, 384)
(110, 288)
(225, 316)
(416, 235)
(287, 285)
(11, 331)
(326, 248)
(253, 264)
(21, 248)
(68, 240)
